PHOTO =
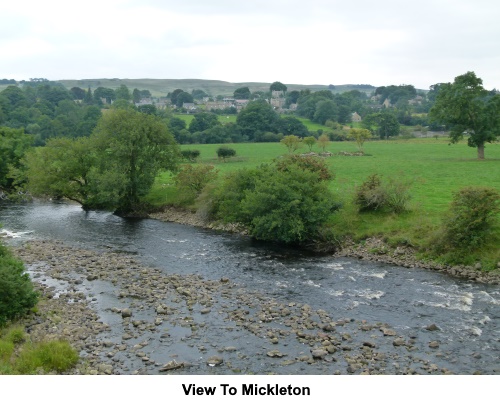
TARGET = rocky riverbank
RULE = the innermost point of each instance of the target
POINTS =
(126, 318)
(373, 249)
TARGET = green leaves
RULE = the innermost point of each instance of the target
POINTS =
(288, 201)
(467, 108)
(17, 295)
(112, 169)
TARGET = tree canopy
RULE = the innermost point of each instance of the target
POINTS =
(468, 109)
(112, 169)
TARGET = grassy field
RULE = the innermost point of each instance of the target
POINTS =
(434, 168)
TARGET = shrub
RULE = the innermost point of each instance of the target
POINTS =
(398, 195)
(6, 350)
(470, 218)
(15, 335)
(370, 196)
(190, 155)
(287, 205)
(17, 296)
(50, 356)
(224, 152)
(292, 142)
(392, 195)
(308, 163)
(191, 180)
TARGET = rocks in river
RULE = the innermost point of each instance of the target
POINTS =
(388, 332)
(172, 365)
(398, 342)
(432, 327)
(214, 361)
(126, 313)
(319, 353)
(274, 353)
(434, 344)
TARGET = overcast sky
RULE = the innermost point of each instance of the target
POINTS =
(295, 42)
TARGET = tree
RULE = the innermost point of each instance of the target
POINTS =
(61, 169)
(123, 93)
(78, 93)
(292, 142)
(384, 124)
(131, 148)
(147, 109)
(198, 94)
(323, 142)
(13, 145)
(136, 96)
(104, 93)
(182, 98)
(309, 141)
(288, 125)
(243, 93)
(278, 86)
(325, 110)
(223, 153)
(257, 116)
(467, 108)
(113, 168)
(174, 94)
(89, 98)
(203, 121)
(359, 136)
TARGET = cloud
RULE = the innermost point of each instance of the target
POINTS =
(318, 41)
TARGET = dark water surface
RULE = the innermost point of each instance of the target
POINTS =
(467, 313)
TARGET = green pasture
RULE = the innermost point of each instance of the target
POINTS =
(223, 119)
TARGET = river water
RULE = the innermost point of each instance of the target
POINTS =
(466, 313)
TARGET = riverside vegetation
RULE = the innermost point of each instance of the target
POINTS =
(421, 194)
(409, 184)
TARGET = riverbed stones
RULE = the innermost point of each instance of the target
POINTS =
(398, 342)
(149, 289)
(319, 353)
(215, 361)
(126, 313)
(274, 353)
(388, 332)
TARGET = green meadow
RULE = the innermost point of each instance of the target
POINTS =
(434, 168)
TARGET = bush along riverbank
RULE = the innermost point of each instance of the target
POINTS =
(126, 318)
(371, 249)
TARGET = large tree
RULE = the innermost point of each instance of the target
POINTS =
(257, 116)
(278, 86)
(131, 150)
(203, 121)
(467, 108)
(243, 93)
(111, 169)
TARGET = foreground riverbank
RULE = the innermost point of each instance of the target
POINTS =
(373, 249)
(127, 318)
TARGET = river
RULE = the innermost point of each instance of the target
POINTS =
(467, 314)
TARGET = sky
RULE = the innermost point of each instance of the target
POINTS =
(384, 42)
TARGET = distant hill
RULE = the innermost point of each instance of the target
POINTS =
(161, 87)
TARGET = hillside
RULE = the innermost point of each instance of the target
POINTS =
(161, 87)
